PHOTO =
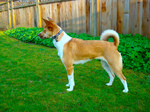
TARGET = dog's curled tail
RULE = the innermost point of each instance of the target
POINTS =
(110, 33)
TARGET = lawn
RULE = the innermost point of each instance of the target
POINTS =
(32, 78)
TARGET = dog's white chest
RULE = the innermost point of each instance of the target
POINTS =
(59, 45)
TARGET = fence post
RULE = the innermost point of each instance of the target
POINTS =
(9, 14)
(38, 13)
(13, 14)
(93, 17)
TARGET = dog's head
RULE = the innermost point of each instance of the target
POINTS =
(49, 29)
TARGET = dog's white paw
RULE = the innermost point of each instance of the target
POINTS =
(108, 84)
(70, 89)
(125, 90)
(68, 85)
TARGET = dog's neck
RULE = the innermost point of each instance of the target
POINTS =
(62, 38)
(56, 31)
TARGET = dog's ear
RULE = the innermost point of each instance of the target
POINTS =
(50, 19)
(46, 21)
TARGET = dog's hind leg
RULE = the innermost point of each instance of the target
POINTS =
(109, 71)
(122, 78)
(70, 72)
(116, 66)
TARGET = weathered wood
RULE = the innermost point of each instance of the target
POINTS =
(120, 16)
(13, 15)
(24, 6)
(38, 13)
(108, 14)
(68, 16)
(17, 19)
(136, 18)
(140, 4)
(53, 1)
(114, 15)
(88, 16)
(98, 17)
(84, 16)
(63, 15)
(146, 18)
(93, 17)
(126, 17)
(81, 16)
(74, 15)
(103, 15)
(9, 15)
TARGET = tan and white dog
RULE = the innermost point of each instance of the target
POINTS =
(77, 51)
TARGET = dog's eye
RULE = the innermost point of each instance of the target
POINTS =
(50, 28)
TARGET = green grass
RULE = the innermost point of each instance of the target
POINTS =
(32, 78)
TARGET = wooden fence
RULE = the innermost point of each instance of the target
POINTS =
(80, 16)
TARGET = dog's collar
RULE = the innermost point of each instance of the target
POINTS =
(56, 36)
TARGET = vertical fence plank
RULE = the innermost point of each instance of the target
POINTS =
(140, 4)
(61, 16)
(55, 12)
(43, 14)
(114, 15)
(64, 16)
(32, 16)
(146, 18)
(88, 16)
(81, 17)
(120, 16)
(38, 13)
(69, 16)
(93, 17)
(84, 16)
(74, 15)
(13, 14)
(17, 19)
(126, 17)
(148, 33)
(80, 23)
(136, 18)
(77, 16)
(98, 17)
(103, 15)
(58, 13)
(108, 13)
(9, 14)
(131, 15)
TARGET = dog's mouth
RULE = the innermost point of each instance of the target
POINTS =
(42, 36)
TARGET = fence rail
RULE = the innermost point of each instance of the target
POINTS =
(79, 16)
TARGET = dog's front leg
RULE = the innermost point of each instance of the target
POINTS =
(70, 72)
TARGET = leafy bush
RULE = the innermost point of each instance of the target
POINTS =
(29, 35)
(135, 49)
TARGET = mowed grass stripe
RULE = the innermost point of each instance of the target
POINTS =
(32, 78)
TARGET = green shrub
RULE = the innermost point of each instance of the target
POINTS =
(135, 49)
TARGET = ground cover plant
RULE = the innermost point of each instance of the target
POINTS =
(32, 78)
(135, 49)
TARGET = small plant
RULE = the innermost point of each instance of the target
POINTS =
(135, 49)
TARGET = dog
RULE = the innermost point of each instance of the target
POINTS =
(77, 51)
